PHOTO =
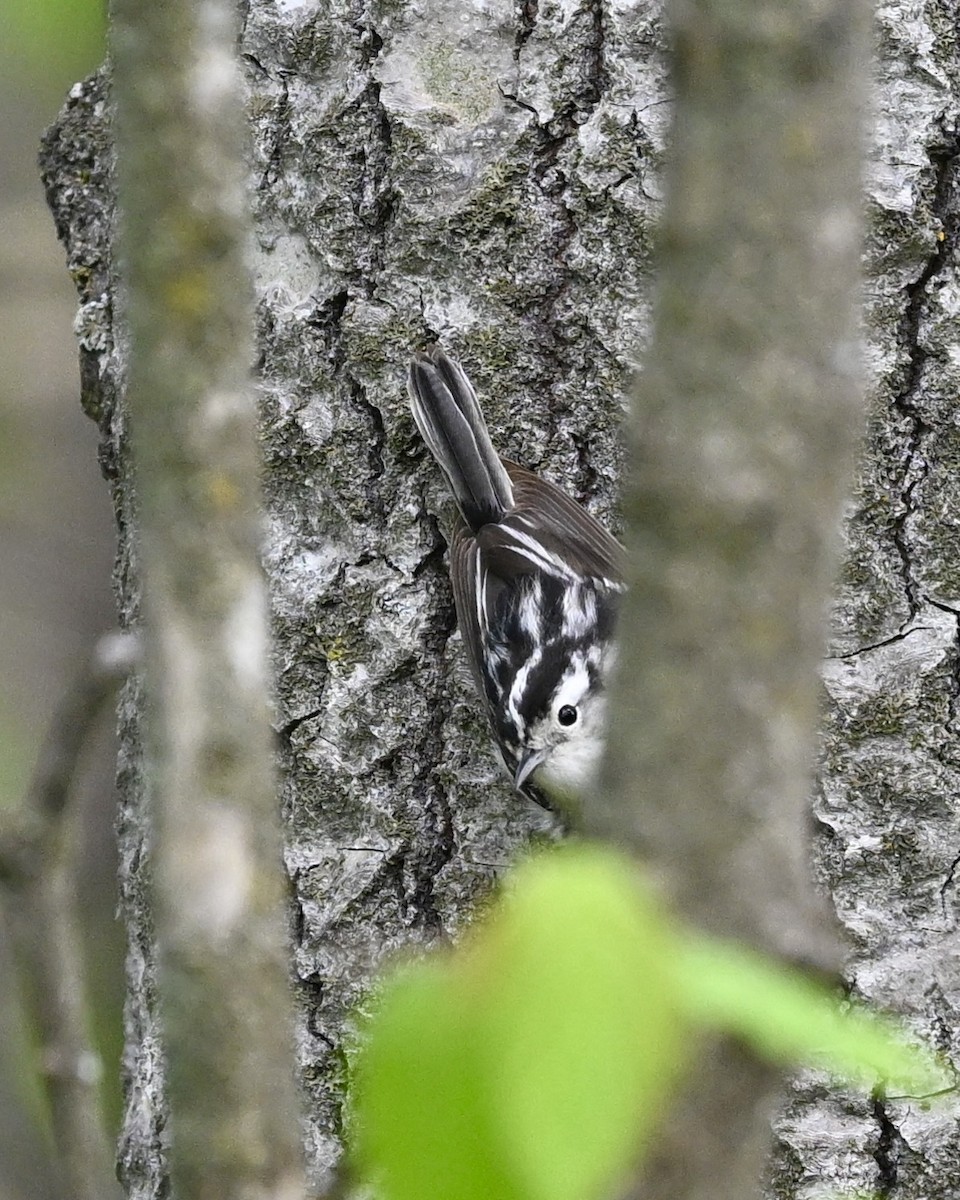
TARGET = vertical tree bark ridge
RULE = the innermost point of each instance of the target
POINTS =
(747, 416)
(77, 160)
(226, 1008)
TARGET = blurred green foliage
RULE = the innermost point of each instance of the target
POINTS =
(532, 1064)
(536, 1061)
(52, 39)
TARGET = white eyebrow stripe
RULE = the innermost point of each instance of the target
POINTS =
(575, 682)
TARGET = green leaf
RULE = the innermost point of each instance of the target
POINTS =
(789, 1018)
(423, 1127)
(581, 1039)
(534, 1062)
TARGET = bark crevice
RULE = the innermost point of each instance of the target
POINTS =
(945, 212)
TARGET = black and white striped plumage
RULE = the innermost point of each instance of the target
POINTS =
(536, 582)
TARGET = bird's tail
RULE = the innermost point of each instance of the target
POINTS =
(448, 415)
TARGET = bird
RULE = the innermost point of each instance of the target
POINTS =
(536, 584)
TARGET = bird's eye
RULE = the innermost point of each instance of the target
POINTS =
(567, 715)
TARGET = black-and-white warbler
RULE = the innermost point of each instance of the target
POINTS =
(536, 581)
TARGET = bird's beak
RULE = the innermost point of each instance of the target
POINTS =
(526, 767)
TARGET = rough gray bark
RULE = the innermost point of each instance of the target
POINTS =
(491, 177)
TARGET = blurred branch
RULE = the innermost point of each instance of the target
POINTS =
(750, 407)
(220, 888)
(114, 657)
(37, 877)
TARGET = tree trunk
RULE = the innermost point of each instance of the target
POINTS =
(748, 411)
(887, 823)
(491, 177)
